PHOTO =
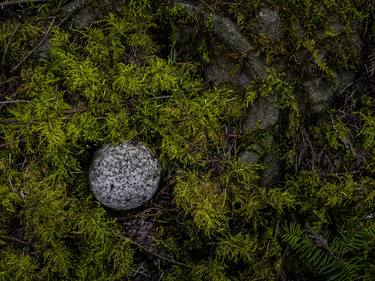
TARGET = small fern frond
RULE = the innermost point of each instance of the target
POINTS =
(328, 256)
(292, 234)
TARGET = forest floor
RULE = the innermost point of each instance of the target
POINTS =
(261, 114)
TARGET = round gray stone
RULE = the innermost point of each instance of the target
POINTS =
(124, 176)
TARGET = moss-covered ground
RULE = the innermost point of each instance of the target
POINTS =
(212, 219)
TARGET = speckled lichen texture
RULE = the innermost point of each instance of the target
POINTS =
(124, 176)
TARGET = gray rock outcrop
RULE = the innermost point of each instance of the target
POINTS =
(229, 34)
(124, 176)
(267, 152)
(320, 91)
(84, 18)
(225, 70)
(263, 114)
(73, 6)
(222, 27)
(273, 169)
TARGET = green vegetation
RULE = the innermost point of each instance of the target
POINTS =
(118, 79)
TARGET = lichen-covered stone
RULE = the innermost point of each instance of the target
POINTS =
(249, 157)
(228, 32)
(222, 27)
(226, 70)
(268, 153)
(184, 34)
(84, 18)
(73, 6)
(43, 52)
(124, 176)
(273, 169)
(270, 24)
(256, 66)
(262, 114)
(320, 91)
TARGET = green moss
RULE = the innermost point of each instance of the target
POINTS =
(117, 80)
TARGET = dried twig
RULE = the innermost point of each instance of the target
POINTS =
(15, 240)
(18, 2)
(8, 43)
(320, 241)
(68, 9)
(75, 110)
(13, 101)
(149, 251)
(208, 6)
(137, 271)
(35, 48)
(161, 97)
(11, 121)
(372, 62)
(11, 96)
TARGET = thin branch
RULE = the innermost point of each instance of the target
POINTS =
(11, 121)
(13, 101)
(161, 97)
(15, 239)
(18, 2)
(63, 21)
(208, 6)
(320, 241)
(35, 48)
(75, 110)
(9, 41)
(149, 251)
